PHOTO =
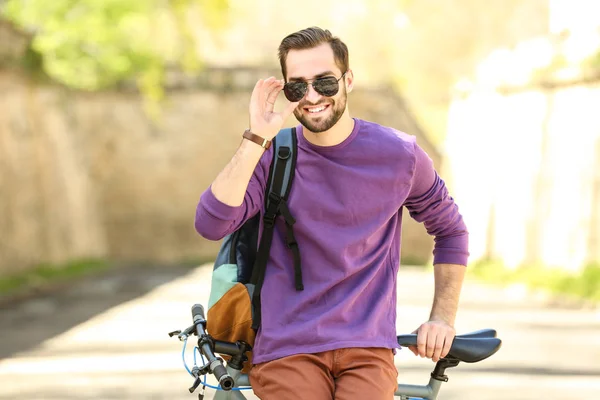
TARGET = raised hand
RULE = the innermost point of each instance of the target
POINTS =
(264, 121)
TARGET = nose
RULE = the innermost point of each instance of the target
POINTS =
(312, 96)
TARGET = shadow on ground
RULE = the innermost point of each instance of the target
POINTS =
(27, 322)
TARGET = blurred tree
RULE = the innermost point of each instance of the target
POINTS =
(95, 44)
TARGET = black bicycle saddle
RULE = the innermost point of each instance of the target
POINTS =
(470, 347)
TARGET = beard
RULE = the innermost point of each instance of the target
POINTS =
(324, 123)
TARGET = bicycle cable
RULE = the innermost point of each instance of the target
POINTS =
(204, 383)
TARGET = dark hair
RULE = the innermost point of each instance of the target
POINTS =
(309, 38)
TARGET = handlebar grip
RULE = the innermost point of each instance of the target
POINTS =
(225, 380)
(205, 343)
(198, 312)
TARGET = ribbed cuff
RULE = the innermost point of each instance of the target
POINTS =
(452, 250)
(217, 209)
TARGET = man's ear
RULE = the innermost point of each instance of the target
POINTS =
(349, 80)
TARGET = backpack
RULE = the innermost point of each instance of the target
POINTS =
(234, 312)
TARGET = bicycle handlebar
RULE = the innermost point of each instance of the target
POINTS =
(198, 314)
(216, 366)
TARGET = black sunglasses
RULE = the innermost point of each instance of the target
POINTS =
(327, 86)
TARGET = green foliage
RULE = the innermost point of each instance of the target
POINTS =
(584, 285)
(594, 63)
(548, 73)
(32, 61)
(47, 273)
(95, 44)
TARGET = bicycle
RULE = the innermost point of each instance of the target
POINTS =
(470, 348)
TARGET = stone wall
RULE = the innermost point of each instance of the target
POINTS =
(89, 175)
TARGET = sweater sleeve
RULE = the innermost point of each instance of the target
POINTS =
(215, 219)
(429, 202)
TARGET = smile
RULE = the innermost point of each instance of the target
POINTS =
(317, 109)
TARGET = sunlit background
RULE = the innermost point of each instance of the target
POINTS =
(115, 115)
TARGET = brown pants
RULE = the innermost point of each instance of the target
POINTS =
(344, 374)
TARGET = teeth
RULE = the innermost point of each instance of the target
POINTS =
(316, 110)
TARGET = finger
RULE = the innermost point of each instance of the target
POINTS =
(439, 346)
(275, 89)
(270, 83)
(263, 92)
(271, 90)
(256, 90)
(431, 341)
(422, 341)
(447, 345)
(414, 350)
(255, 97)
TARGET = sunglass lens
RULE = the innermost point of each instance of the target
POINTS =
(327, 86)
(295, 91)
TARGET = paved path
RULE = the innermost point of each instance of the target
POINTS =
(106, 338)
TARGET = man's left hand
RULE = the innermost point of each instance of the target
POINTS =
(434, 339)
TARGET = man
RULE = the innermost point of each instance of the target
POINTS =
(335, 339)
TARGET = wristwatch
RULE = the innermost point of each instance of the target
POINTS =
(262, 142)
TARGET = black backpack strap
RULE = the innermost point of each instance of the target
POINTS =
(278, 188)
(292, 244)
(290, 140)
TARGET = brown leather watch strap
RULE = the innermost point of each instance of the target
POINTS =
(262, 142)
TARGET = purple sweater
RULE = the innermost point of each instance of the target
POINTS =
(347, 200)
